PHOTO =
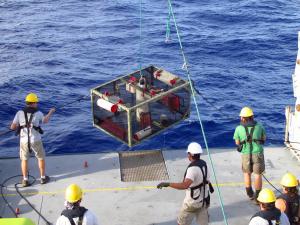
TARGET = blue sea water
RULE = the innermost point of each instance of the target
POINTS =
(240, 52)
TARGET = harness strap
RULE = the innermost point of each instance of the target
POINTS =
(38, 129)
(257, 141)
(80, 220)
(73, 213)
(249, 140)
(199, 186)
(202, 186)
(71, 220)
(204, 182)
(28, 122)
(250, 137)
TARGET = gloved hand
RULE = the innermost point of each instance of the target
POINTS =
(163, 184)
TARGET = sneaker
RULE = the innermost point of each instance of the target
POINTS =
(45, 180)
(25, 183)
(250, 193)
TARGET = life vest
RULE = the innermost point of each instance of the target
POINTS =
(28, 124)
(74, 213)
(272, 216)
(249, 135)
(292, 208)
(202, 186)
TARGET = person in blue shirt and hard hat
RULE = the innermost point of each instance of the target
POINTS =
(197, 186)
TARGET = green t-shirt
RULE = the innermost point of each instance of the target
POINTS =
(259, 133)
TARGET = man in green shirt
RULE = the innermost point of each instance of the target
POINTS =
(250, 136)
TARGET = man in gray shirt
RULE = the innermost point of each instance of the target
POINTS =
(27, 124)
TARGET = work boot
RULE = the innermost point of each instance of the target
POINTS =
(45, 180)
(25, 183)
(256, 196)
(250, 193)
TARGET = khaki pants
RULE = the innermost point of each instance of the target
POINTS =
(188, 213)
(37, 148)
(254, 164)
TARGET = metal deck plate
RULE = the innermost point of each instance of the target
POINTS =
(142, 166)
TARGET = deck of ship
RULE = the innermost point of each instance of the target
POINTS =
(136, 203)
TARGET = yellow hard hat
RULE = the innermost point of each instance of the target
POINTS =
(73, 193)
(246, 112)
(32, 97)
(266, 196)
(289, 180)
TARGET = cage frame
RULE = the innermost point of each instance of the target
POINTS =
(185, 85)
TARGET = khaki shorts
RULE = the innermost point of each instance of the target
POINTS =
(256, 164)
(188, 213)
(37, 148)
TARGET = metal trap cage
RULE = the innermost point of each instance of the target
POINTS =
(137, 106)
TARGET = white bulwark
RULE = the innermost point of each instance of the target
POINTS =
(292, 131)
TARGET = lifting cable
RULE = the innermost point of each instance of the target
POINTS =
(140, 42)
(185, 66)
(84, 97)
(168, 29)
(210, 103)
(167, 40)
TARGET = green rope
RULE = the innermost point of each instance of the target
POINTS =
(168, 27)
(140, 44)
(198, 112)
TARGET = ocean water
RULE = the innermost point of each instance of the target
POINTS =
(240, 52)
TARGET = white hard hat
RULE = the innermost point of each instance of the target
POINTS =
(194, 148)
